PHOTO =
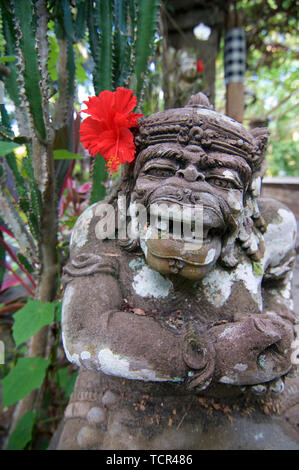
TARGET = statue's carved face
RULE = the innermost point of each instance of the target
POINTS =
(208, 187)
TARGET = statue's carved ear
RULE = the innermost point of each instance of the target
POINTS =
(261, 136)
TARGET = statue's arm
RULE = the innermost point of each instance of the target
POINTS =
(99, 335)
(257, 348)
(279, 259)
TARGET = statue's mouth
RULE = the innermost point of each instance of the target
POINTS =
(188, 233)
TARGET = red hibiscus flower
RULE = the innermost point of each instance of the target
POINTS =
(107, 129)
(199, 66)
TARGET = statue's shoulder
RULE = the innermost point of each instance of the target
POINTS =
(280, 229)
(93, 252)
(276, 212)
(94, 228)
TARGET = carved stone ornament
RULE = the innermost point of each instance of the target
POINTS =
(185, 339)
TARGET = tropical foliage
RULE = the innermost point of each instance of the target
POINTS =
(49, 51)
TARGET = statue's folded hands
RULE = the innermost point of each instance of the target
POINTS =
(247, 352)
(252, 351)
(99, 336)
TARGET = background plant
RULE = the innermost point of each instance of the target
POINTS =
(48, 50)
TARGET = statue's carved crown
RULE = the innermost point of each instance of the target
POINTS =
(199, 124)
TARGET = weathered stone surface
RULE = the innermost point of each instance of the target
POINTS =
(178, 338)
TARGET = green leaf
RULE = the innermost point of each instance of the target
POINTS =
(23, 432)
(7, 147)
(53, 57)
(31, 318)
(27, 375)
(57, 314)
(66, 380)
(7, 58)
(27, 265)
(66, 155)
(80, 71)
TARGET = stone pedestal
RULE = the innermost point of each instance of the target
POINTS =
(108, 413)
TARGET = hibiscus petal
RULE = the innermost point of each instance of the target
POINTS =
(107, 144)
(90, 132)
(125, 101)
(91, 127)
(100, 107)
(126, 146)
(133, 118)
(117, 146)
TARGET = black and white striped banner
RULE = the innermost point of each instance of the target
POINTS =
(235, 56)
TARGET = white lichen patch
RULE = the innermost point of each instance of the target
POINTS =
(136, 264)
(150, 283)
(66, 303)
(229, 333)
(271, 313)
(143, 247)
(210, 256)
(71, 357)
(244, 272)
(80, 230)
(280, 237)
(217, 286)
(230, 380)
(119, 366)
(235, 200)
(286, 291)
(85, 355)
(228, 174)
(256, 186)
(241, 367)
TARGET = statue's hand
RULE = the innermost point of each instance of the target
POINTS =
(199, 356)
(251, 351)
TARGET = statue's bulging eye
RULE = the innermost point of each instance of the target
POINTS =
(222, 183)
(160, 172)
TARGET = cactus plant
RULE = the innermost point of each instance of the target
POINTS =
(120, 35)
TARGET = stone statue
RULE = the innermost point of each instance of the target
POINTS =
(183, 79)
(177, 338)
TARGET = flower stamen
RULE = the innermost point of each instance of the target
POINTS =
(112, 165)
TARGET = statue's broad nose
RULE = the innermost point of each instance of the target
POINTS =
(191, 174)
